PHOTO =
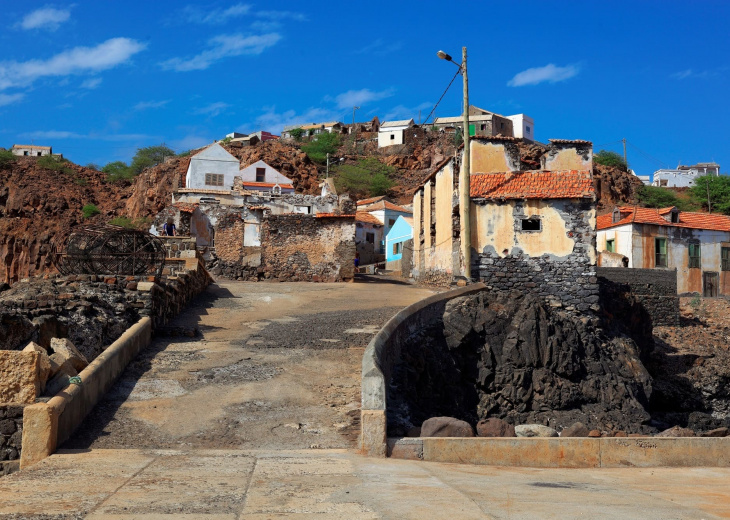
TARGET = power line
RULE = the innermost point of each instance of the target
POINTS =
(646, 155)
(442, 96)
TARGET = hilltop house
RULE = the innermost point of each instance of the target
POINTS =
(31, 150)
(684, 176)
(393, 132)
(313, 129)
(530, 230)
(696, 245)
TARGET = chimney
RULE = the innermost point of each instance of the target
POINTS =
(566, 154)
(494, 154)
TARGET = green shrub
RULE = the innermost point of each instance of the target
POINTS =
(321, 145)
(54, 163)
(297, 133)
(716, 189)
(89, 210)
(367, 177)
(117, 171)
(655, 197)
(80, 181)
(6, 159)
(609, 158)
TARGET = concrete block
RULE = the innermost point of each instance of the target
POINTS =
(663, 451)
(19, 376)
(65, 348)
(145, 286)
(535, 452)
(373, 433)
(44, 363)
(40, 429)
(405, 448)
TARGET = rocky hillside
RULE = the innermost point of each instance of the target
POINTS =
(39, 207)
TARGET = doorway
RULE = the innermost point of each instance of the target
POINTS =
(710, 282)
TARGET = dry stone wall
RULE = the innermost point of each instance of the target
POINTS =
(11, 435)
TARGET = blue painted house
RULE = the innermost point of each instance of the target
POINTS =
(399, 233)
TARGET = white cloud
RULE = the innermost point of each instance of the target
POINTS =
(144, 105)
(63, 134)
(91, 83)
(550, 73)
(78, 60)
(273, 121)
(190, 142)
(697, 74)
(9, 99)
(403, 112)
(213, 109)
(46, 18)
(281, 15)
(223, 46)
(194, 14)
(360, 97)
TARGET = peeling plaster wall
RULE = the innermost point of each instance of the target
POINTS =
(493, 157)
(568, 156)
(558, 262)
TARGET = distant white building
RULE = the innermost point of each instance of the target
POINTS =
(393, 132)
(212, 169)
(523, 126)
(31, 150)
(684, 176)
(261, 177)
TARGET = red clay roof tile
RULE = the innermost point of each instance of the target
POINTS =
(687, 219)
(533, 184)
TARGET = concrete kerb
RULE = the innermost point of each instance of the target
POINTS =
(47, 425)
(382, 353)
(573, 452)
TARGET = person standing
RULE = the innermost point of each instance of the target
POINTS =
(168, 228)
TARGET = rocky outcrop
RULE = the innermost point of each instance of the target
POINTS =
(514, 357)
(614, 187)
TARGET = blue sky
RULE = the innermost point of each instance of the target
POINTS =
(97, 80)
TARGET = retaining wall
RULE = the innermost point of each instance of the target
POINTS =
(655, 289)
(11, 432)
(383, 353)
(47, 425)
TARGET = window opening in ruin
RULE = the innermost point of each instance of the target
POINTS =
(675, 216)
(25, 153)
(660, 247)
(392, 137)
(615, 216)
(725, 256)
(260, 174)
(214, 179)
(305, 210)
(611, 246)
(396, 248)
(38, 154)
(531, 224)
(694, 256)
(370, 238)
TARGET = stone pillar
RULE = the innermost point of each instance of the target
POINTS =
(40, 433)
(373, 426)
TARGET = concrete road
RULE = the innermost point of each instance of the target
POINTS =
(257, 417)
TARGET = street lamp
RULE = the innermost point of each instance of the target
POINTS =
(464, 174)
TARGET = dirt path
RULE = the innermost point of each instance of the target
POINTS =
(275, 366)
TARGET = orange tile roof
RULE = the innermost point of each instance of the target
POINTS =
(370, 200)
(334, 215)
(533, 184)
(367, 218)
(267, 185)
(384, 204)
(687, 219)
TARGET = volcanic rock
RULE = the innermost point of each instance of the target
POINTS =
(493, 427)
(676, 431)
(576, 430)
(446, 427)
(534, 430)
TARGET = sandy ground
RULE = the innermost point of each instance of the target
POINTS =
(275, 365)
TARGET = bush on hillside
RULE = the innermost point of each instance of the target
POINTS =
(89, 210)
(321, 145)
(54, 163)
(368, 177)
(714, 188)
(6, 159)
(609, 158)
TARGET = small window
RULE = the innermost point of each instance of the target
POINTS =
(527, 129)
(392, 137)
(260, 174)
(660, 248)
(38, 154)
(370, 238)
(725, 254)
(391, 222)
(531, 224)
(694, 256)
(675, 216)
(396, 248)
(615, 216)
(483, 127)
(305, 210)
(25, 152)
(214, 179)
(611, 245)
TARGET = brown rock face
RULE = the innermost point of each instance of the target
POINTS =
(494, 427)
(576, 430)
(446, 427)
(63, 347)
(676, 431)
(19, 381)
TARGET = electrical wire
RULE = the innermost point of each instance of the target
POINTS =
(442, 97)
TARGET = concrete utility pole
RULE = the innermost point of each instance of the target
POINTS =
(465, 173)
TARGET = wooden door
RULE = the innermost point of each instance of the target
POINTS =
(710, 282)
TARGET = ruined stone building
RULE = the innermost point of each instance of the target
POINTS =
(696, 245)
(483, 123)
(250, 224)
(32, 150)
(532, 230)
(393, 133)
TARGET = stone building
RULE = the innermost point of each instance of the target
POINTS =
(31, 150)
(369, 238)
(531, 230)
(696, 245)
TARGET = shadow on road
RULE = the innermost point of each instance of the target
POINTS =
(368, 278)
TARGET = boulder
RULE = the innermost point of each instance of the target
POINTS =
(576, 430)
(620, 433)
(19, 376)
(65, 348)
(594, 433)
(494, 427)
(676, 431)
(44, 365)
(717, 432)
(414, 431)
(60, 380)
(446, 427)
(534, 430)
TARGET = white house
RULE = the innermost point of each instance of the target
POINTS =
(684, 176)
(31, 150)
(261, 177)
(212, 169)
(393, 132)
(383, 210)
(523, 126)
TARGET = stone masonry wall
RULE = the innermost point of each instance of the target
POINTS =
(11, 434)
(655, 289)
(568, 282)
(308, 248)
